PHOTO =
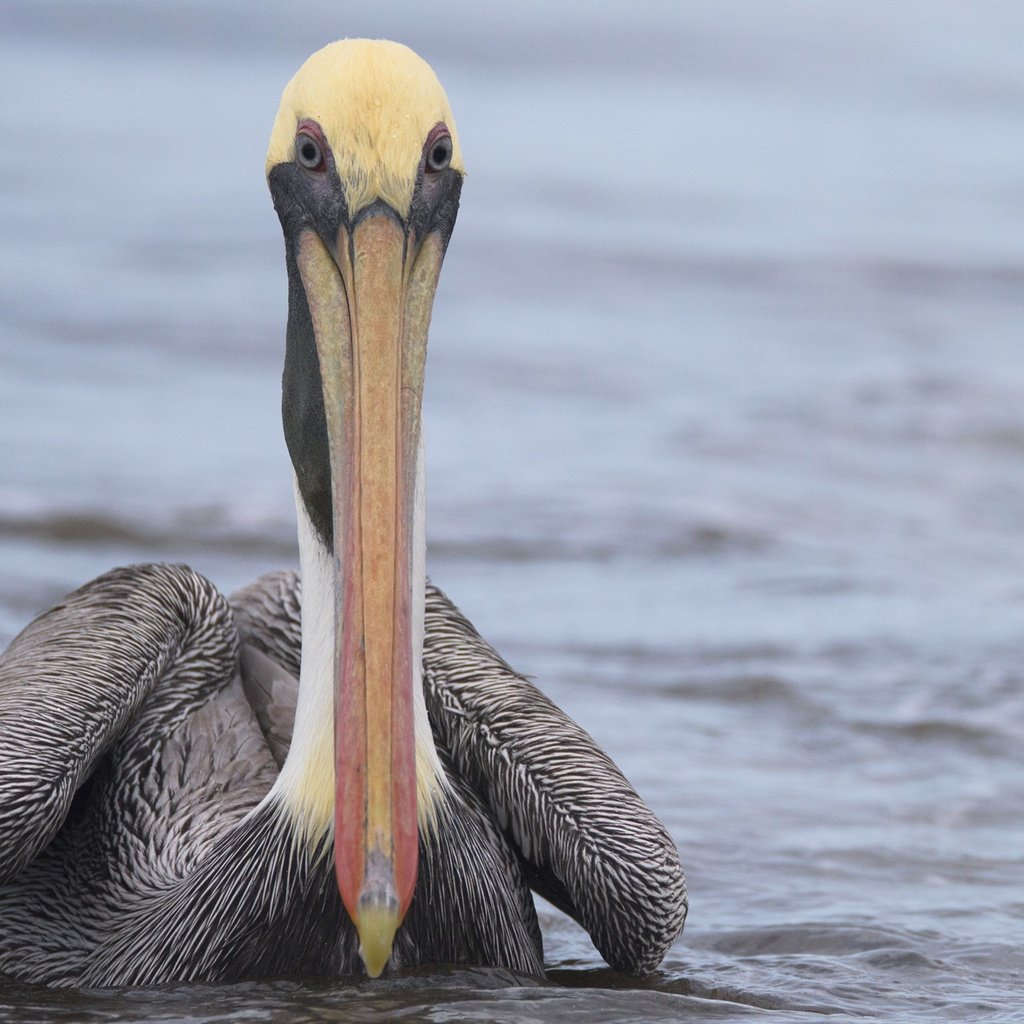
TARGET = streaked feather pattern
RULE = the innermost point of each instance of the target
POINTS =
(143, 721)
(592, 846)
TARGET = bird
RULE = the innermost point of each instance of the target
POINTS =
(329, 772)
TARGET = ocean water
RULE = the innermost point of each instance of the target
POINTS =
(725, 426)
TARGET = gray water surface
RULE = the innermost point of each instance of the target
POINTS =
(725, 422)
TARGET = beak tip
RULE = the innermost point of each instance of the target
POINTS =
(376, 925)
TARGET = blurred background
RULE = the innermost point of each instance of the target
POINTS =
(724, 418)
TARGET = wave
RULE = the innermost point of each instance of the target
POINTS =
(203, 529)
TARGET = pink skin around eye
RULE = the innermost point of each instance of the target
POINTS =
(313, 130)
(437, 132)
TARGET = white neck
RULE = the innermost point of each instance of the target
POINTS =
(306, 783)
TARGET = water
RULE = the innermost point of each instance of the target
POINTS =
(725, 417)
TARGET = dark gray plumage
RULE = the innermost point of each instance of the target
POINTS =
(143, 721)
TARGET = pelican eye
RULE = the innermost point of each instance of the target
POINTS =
(440, 154)
(308, 152)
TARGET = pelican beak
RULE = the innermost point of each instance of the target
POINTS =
(370, 296)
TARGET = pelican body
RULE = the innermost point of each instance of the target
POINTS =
(338, 775)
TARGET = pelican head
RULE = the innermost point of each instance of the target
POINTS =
(365, 170)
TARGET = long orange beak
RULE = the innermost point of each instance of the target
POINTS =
(370, 303)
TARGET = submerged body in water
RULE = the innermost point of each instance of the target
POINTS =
(146, 723)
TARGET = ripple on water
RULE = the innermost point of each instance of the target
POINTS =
(987, 739)
(753, 688)
(479, 994)
(854, 969)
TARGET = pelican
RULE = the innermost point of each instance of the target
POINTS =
(335, 776)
